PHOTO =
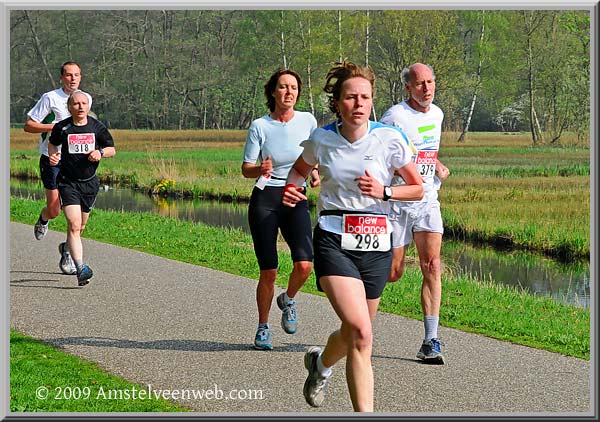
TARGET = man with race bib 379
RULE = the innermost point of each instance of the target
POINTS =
(421, 120)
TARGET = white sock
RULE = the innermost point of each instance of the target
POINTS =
(323, 370)
(431, 327)
(78, 264)
(286, 298)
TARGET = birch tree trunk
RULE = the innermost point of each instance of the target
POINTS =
(68, 36)
(283, 55)
(340, 35)
(367, 41)
(38, 49)
(311, 100)
(367, 57)
(532, 22)
(467, 123)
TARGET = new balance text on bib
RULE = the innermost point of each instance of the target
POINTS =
(365, 232)
(81, 143)
(425, 161)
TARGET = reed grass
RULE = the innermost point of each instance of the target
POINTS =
(501, 190)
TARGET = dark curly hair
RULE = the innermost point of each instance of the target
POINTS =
(340, 73)
(272, 84)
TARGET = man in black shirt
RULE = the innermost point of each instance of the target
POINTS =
(85, 141)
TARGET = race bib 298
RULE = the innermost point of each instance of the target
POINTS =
(365, 232)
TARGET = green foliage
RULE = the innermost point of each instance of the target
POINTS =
(544, 171)
(181, 69)
(164, 187)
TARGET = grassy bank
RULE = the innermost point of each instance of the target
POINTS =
(501, 190)
(499, 312)
(39, 374)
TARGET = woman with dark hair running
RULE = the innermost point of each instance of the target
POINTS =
(272, 146)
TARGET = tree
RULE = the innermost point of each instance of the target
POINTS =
(532, 20)
(179, 69)
(38, 49)
(477, 84)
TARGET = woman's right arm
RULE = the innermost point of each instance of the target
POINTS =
(292, 194)
(252, 171)
(252, 151)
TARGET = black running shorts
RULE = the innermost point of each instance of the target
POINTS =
(49, 173)
(267, 214)
(78, 193)
(373, 268)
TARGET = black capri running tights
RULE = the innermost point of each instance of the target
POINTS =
(267, 214)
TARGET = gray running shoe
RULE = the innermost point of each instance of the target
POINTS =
(262, 340)
(315, 384)
(40, 230)
(431, 352)
(289, 317)
(84, 276)
(66, 264)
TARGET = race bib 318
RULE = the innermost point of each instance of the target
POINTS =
(81, 143)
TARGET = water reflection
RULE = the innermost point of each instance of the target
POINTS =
(537, 274)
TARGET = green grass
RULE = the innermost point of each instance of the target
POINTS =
(35, 365)
(544, 214)
(500, 312)
(501, 189)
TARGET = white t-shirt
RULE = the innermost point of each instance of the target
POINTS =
(381, 151)
(281, 141)
(424, 131)
(52, 107)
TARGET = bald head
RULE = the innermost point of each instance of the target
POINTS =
(419, 81)
(75, 96)
(79, 106)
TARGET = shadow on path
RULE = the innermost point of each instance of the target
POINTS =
(185, 345)
(175, 344)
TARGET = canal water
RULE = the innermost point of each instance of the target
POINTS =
(568, 283)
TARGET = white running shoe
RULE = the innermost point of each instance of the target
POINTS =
(315, 385)
(40, 230)
(66, 264)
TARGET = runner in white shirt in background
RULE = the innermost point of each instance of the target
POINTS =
(422, 220)
(51, 109)
(352, 240)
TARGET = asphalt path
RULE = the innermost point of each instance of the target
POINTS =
(168, 325)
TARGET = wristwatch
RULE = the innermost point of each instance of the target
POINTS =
(101, 150)
(387, 193)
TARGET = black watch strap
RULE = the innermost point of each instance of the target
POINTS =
(387, 193)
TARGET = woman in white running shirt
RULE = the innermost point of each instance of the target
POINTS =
(352, 240)
(272, 147)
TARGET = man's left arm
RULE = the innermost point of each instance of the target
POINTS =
(107, 151)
